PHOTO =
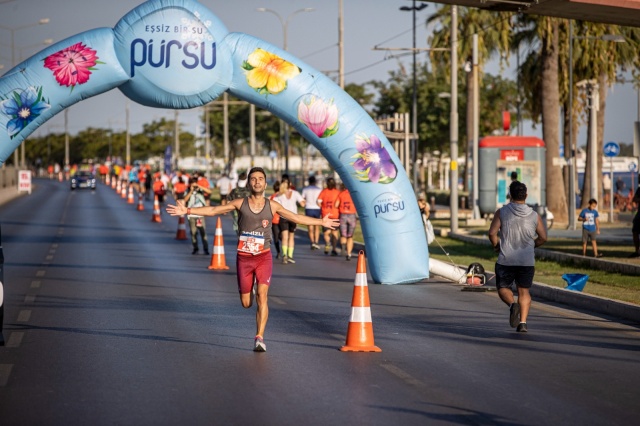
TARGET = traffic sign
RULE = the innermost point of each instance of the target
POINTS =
(633, 167)
(611, 149)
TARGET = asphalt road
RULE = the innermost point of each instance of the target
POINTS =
(110, 320)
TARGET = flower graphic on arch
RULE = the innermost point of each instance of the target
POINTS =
(373, 162)
(22, 107)
(319, 116)
(268, 73)
(73, 65)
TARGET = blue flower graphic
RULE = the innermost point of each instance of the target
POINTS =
(23, 107)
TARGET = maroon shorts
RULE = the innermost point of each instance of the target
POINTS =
(253, 268)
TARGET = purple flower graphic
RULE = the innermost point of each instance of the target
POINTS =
(373, 163)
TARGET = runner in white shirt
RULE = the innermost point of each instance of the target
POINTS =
(312, 209)
(289, 199)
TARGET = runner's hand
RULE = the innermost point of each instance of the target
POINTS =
(327, 222)
(178, 210)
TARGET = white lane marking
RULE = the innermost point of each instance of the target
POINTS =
(36, 284)
(5, 372)
(54, 245)
(338, 337)
(49, 257)
(24, 315)
(278, 300)
(15, 339)
(29, 299)
(402, 375)
(40, 273)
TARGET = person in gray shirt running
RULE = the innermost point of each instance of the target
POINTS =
(514, 233)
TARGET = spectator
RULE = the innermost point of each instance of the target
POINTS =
(197, 197)
(606, 188)
(635, 230)
(275, 222)
(590, 227)
(159, 189)
(620, 185)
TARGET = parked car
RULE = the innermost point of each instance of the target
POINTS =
(83, 179)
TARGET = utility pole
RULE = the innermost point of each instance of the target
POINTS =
(453, 129)
(341, 44)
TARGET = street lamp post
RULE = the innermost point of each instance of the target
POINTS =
(414, 107)
(285, 25)
(13, 30)
(570, 153)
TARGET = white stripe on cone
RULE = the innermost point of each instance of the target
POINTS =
(360, 314)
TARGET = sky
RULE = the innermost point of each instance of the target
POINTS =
(311, 36)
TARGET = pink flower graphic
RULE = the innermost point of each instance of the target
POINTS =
(320, 117)
(72, 65)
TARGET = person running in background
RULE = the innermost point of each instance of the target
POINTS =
(242, 190)
(224, 187)
(312, 209)
(159, 189)
(516, 229)
(289, 199)
(590, 227)
(196, 197)
(347, 212)
(254, 262)
(327, 201)
(275, 222)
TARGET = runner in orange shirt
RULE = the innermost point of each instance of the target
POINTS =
(347, 210)
(326, 201)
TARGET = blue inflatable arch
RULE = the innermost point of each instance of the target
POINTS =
(177, 54)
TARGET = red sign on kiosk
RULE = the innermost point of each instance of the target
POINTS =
(512, 154)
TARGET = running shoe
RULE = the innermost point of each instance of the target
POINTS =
(334, 253)
(258, 345)
(514, 315)
(348, 257)
(285, 259)
(290, 260)
(522, 327)
(315, 246)
(327, 249)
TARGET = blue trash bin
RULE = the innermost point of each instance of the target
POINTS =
(575, 281)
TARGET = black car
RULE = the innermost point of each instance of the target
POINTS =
(83, 179)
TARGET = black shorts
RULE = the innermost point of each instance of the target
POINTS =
(636, 223)
(506, 275)
(287, 225)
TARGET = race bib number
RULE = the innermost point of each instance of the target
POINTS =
(253, 244)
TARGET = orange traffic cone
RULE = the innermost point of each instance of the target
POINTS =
(360, 332)
(119, 187)
(123, 192)
(130, 199)
(182, 229)
(217, 258)
(140, 203)
(113, 183)
(108, 179)
(156, 211)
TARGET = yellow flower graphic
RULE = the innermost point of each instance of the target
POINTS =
(268, 73)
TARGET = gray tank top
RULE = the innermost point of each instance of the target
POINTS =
(254, 228)
(518, 223)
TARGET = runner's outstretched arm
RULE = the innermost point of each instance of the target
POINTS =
(180, 209)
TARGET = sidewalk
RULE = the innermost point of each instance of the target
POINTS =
(9, 193)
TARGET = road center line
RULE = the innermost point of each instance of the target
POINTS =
(15, 339)
(24, 315)
(40, 273)
(36, 284)
(5, 372)
(402, 375)
(29, 299)
(278, 300)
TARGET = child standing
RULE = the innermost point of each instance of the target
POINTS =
(590, 227)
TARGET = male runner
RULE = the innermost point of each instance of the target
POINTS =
(254, 262)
